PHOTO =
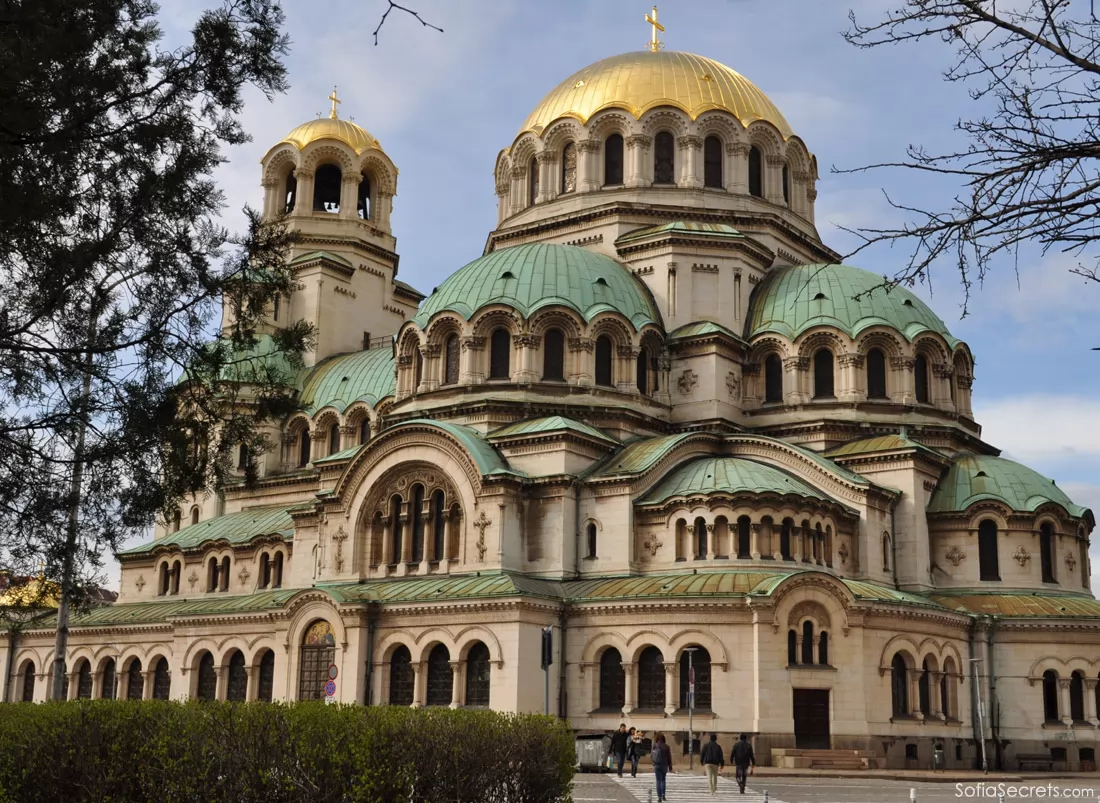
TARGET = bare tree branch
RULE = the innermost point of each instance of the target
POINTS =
(409, 11)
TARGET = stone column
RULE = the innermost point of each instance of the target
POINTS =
(1090, 695)
(903, 378)
(380, 215)
(430, 372)
(502, 202)
(773, 181)
(518, 201)
(251, 683)
(625, 369)
(796, 543)
(457, 684)
(223, 682)
(271, 200)
(849, 389)
(406, 531)
(526, 346)
(420, 682)
(1063, 701)
(580, 352)
(638, 145)
(934, 700)
(942, 378)
(348, 435)
(545, 161)
(425, 527)
(349, 188)
(754, 540)
(387, 542)
(710, 540)
(629, 699)
(737, 168)
(149, 676)
(795, 369)
(303, 198)
(588, 173)
(318, 438)
(912, 677)
(471, 370)
(689, 152)
(671, 690)
(798, 647)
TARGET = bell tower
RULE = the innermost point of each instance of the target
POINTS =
(335, 184)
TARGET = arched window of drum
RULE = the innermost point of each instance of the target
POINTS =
(1046, 552)
(792, 648)
(162, 680)
(1050, 696)
(304, 441)
(477, 676)
(223, 575)
(785, 540)
(664, 158)
(569, 168)
(641, 372)
(823, 374)
(401, 677)
(1077, 697)
(988, 560)
(266, 688)
(326, 189)
(786, 185)
(885, 552)
(700, 662)
(364, 430)
(174, 577)
(362, 199)
(603, 361)
(773, 379)
(28, 683)
(756, 172)
(924, 691)
(613, 160)
(439, 526)
(397, 529)
(195, 515)
(920, 379)
(176, 521)
(808, 643)
(265, 570)
(590, 541)
(712, 162)
(440, 676)
(334, 439)
(107, 684)
(500, 354)
(135, 681)
(84, 681)
(290, 193)
(876, 374)
(450, 360)
(236, 691)
(899, 686)
(207, 684)
(823, 648)
(651, 680)
(162, 582)
(553, 356)
(744, 538)
(532, 181)
(612, 681)
(418, 367)
(277, 570)
(317, 653)
(700, 531)
(819, 542)
(415, 513)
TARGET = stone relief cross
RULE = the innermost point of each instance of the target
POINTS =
(194, 578)
(481, 523)
(243, 575)
(140, 582)
(340, 537)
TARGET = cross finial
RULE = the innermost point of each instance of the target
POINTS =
(655, 44)
(335, 100)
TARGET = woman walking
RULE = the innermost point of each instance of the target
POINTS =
(661, 756)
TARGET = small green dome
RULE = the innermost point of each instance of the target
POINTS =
(791, 300)
(347, 378)
(974, 478)
(530, 277)
(728, 475)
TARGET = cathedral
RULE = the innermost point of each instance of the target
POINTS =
(657, 428)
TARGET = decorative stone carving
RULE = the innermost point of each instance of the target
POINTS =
(652, 544)
(581, 344)
(964, 381)
(140, 582)
(340, 537)
(850, 359)
(843, 552)
(627, 352)
(797, 363)
(481, 522)
(471, 343)
(192, 579)
(526, 340)
(687, 381)
(733, 385)
(1071, 562)
(243, 575)
(1021, 555)
(903, 362)
(955, 555)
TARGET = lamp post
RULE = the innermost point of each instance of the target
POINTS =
(691, 705)
(980, 709)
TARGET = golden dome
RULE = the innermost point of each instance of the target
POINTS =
(332, 128)
(640, 81)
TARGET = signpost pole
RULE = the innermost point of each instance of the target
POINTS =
(547, 660)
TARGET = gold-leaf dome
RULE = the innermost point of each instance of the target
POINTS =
(640, 81)
(357, 137)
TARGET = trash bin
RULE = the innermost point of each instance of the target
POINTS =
(592, 752)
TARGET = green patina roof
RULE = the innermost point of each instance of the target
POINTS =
(816, 457)
(236, 528)
(974, 478)
(467, 586)
(880, 593)
(714, 231)
(487, 459)
(640, 455)
(699, 328)
(553, 423)
(331, 257)
(1020, 605)
(787, 302)
(346, 454)
(347, 378)
(134, 613)
(530, 277)
(883, 443)
(730, 475)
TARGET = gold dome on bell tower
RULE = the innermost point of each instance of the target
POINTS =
(332, 127)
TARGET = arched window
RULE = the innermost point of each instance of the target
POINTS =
(418, 368)
(532, 181)
(591, 541)
(603, 361)
(773, 379)
(924, 690)
(401, 677)
(317, 653)
(162, 680)
(1046, 552)
(290, 193)
(416, 507)
(808, 643)
(277, 570)
(787, 184)
(712, 162)
(194, 515)
(223, 575)
(477, 676)
(440, 676)
(206, 687)
(899, 686)
(823, 648)
(265, 570)
(664, 158)
(988, 561)
(1077, 697)
(439, 526)
(756, 172)
(700, 663)
(84, 681)
(744, 540)
(243, 457)
(500, 354)
(265, 689)
(1050, 696)
(212, 568)
(651, 680)
(792, 648)
(135, 681)
(450, 360)
(612, 681)
(569, 168)
(823, 374)
(176, 521)
(107, 684)
(162, 583)
(785, 540)
(613, 160)
(886, 550)
(876, 374)
(28, 682)
(700, 538)
(362, 199)
(236, 691)
(641, 372)
(920, 379)
(304, 441)
(275, 308)
(334, 439)
(397, 528)
(553, 356)
(326, 189)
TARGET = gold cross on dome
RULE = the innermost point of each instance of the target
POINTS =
(655, 44)
(335, 100)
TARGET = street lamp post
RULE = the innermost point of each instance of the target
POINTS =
(980, 710)
(691, 705)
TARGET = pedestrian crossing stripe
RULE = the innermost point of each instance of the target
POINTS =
(692, 789)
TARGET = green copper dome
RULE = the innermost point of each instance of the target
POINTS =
(530, 277)
(347, 378)
(975, 478)
(728, 475)
(791, 300)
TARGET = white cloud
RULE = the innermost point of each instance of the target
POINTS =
(1042, 427)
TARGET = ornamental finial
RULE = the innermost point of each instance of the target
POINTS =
(655, 44)
(335, 100)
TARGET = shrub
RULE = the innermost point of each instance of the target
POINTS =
(105, 750)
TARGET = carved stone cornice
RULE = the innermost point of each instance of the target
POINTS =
(796, 363)
(526, 340)
(581, 344)
(965, 381)
(737, 149)
(903, 362)
(545, 157)
(850, 359)
(627, 352)
(690, 141)
(639, 141)
(589, 146)
(471, 343)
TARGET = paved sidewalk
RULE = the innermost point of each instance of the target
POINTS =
(916, 776)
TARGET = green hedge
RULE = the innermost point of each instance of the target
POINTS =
(116, 751)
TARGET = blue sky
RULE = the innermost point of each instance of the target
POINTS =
(443, 105)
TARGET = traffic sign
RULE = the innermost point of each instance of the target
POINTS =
(330, 700)
(332, 671)
(330, 689)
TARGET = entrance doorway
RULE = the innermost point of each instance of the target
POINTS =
(811, 719)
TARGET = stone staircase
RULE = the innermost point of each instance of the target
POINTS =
(793, 758)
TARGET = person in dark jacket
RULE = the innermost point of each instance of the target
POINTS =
(618, 746)
(743, 759)
(712, 760)
(661, 756)
(633, 750)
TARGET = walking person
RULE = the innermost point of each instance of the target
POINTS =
(712, 760)
(618, 746)
(743, 759)
(634, 750)
(661, 756)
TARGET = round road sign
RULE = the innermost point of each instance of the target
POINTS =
(332, 671)
(330, 689)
